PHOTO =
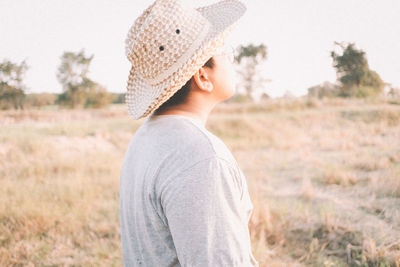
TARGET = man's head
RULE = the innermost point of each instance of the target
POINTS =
(169, 42)
(213, 83)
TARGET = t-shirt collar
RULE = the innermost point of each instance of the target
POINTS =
(194, 120)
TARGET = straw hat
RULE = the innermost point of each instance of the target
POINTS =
(168, 43)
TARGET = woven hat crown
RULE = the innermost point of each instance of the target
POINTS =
(166, 32)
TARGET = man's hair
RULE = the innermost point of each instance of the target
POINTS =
(181, 95)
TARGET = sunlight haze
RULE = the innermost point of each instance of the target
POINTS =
(299, 36)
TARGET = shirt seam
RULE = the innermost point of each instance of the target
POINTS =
(231, 166)
(200, 130)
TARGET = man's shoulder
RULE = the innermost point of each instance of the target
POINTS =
(189, 140)
(208, 143)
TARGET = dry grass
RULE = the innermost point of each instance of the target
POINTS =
(323, 175)
(339, 177)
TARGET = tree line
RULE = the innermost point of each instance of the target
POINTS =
(78, 90)
(354, 76)
(354, 79)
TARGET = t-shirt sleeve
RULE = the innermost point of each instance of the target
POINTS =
(207, 216)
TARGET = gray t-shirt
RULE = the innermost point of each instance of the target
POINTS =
(184, 200)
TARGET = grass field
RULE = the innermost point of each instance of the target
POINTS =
(324, 178)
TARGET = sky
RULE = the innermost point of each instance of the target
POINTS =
(299, 35)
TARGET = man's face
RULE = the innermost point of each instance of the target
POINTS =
(223, 76)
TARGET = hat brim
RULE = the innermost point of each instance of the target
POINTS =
(142, 98)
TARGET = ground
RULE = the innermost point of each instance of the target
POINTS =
(323, 175)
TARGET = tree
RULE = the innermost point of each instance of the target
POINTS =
(12, 88)
(72, 74)
(78, 89)
(249, 59)
(353, 73)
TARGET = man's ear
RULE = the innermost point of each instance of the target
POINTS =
(202, 80)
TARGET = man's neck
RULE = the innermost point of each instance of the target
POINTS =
(198, 114)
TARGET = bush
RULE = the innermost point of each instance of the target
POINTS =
(365, 92)
(11, 97)
(326, 89)
(239, 98)
(40, 99)
(98, 97)
(118, 98)
(72, 98)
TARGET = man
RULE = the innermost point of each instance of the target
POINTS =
(183, 199)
